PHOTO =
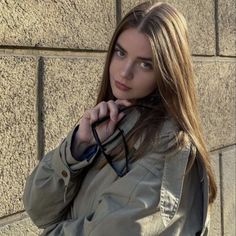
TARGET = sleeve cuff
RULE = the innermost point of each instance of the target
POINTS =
(88, 153)
(84, 159)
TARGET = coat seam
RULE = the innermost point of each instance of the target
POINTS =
(149, 170)
(128, 201)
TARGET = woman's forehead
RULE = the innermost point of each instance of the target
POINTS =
(132, 40)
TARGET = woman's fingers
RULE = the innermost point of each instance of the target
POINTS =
(123, 102)
(91, 115)
(103, 109)
(120, 116)
(113, 108)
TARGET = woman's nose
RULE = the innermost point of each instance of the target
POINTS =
(127, 71)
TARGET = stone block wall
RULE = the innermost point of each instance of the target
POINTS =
(51, 60)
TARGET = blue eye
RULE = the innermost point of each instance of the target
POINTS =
(119, 52)
(146, 65)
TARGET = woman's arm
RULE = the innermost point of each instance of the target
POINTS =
(141, 203)
(123, 209)
(53, 184)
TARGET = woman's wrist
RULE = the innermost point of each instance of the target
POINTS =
(77, 147)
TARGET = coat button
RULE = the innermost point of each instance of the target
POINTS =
(64, 173)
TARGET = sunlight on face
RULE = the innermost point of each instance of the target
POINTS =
(131, 70)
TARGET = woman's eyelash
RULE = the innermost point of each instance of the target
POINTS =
(119, 52)
(146, 65)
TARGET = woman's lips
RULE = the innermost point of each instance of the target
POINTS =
(121, 86)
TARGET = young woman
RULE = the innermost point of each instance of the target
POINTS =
(137, 163)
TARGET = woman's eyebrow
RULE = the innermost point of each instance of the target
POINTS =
(145, 59)
(120, 47)
(140, 58)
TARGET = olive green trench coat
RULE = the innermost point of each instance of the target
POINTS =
(76, 198)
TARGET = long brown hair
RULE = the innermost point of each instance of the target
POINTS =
(166, 29)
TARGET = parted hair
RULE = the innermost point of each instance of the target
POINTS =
(167, 31)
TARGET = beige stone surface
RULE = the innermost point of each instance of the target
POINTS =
(58, 24)
(22, 227)
(227, 27)
(17, 129)
(216, 90)
(70, 86)
(228, 184)
(200, 18)
(215, 223)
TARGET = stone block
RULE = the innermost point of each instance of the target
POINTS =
(57, 24)
(70, 86)
(22, 227)
(200, 18)
(215, 82)
(18, 149)
(215, 223)
(227, 27)
(228, 188)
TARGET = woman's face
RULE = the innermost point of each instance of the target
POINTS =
(131, 70)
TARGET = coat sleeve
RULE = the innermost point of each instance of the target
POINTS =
(140, 203)
(53, 184)
(127, 207)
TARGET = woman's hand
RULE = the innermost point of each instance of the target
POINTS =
(84, 136)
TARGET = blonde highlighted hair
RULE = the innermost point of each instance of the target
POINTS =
(166, 29)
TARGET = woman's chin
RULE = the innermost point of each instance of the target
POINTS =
(132, 100)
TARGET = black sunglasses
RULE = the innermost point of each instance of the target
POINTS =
(125, 169)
